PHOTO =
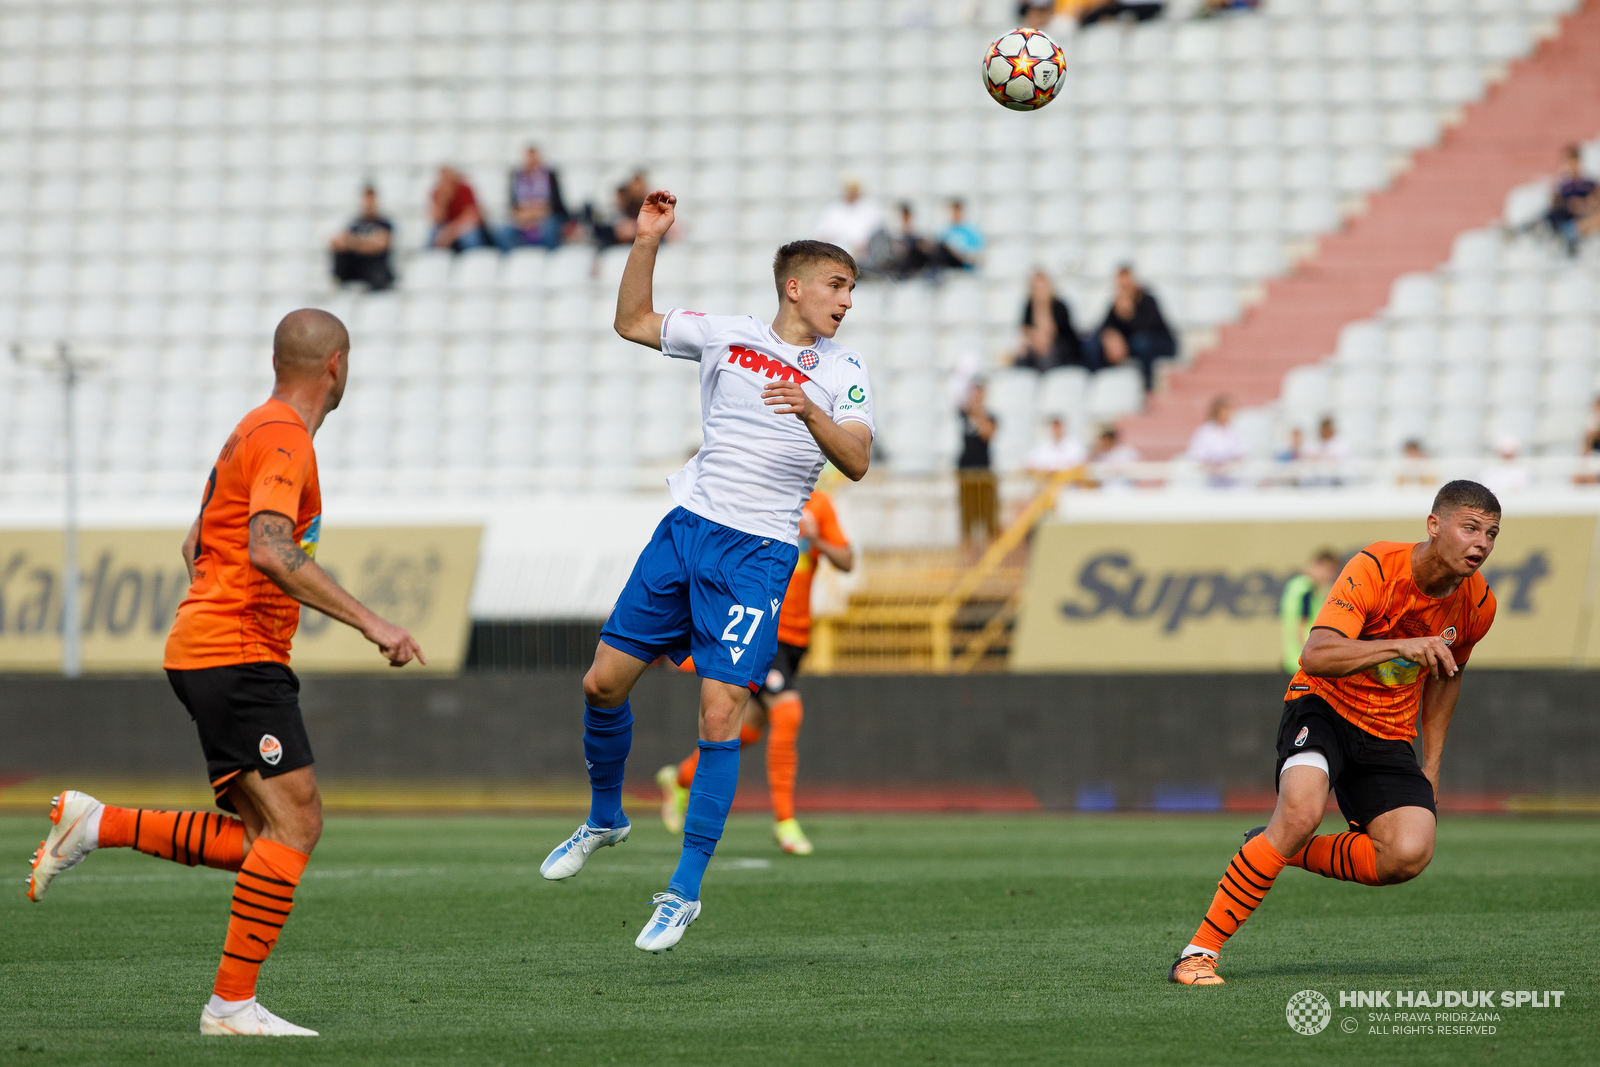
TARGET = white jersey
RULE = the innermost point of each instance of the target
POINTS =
(756, 468)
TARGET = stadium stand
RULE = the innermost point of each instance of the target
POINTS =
(170, 173)
(1517, 307)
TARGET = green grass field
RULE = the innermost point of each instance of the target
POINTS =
(959, 940)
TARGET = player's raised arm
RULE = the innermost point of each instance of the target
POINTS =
(274, 552)
(637, 318)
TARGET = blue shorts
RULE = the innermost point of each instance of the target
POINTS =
(703, 589)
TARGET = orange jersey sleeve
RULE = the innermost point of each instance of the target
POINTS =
(233, 613)
(1376, 598)
(794, 620)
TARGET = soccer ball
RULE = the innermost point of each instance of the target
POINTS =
(1022, 70)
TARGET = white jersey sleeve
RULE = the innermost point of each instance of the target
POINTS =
(684, 334)
(852, 392)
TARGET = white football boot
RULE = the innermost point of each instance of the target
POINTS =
(568, 858)
(68, 841)
(665, 928)
(251, 1021)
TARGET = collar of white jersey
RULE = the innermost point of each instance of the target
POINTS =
(815, 346)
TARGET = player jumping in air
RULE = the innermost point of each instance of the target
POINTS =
(1386, 654)
(776, 402)
(249, 555)
(779, 699)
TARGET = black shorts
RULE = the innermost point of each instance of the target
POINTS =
(248, 716)
(1370, 775)
(785, 665)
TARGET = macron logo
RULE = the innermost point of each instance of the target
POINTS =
(735, 651)
(750, 359)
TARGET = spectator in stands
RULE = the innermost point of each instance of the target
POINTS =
(1297, 447)
(980, 502)
(1217, 445)
(361, 252)
(908, 249)
(1111, 458)
(537, 212)
(622, 228)
(1508, 474)
(1048, 337)
(1415, 471)
(1574, 208)
(851, 222)
(1590, 474)
(458, 222)
(1057, 452)
(1323, 458)
(1134, 328)
(1210, 8)
(1133, 10)
(961, 244)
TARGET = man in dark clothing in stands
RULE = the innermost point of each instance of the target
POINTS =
(1134, 328)
(361, 252)
(1572, 200)
(980, 500)
(537, 213)
(1048, 336)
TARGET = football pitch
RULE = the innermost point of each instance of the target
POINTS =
(927, 940)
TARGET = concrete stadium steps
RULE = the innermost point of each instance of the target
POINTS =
(1547, 100)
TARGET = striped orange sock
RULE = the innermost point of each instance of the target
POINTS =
(263, 896)
(1243, 887)
(783, 758)
(748, 735)
(189, 837)
(1348, 857)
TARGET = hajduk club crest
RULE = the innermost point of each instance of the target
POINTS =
(809, 359)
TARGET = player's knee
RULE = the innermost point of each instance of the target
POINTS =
(598, 693)
(1404, 860)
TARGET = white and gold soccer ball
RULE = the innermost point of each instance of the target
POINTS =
(1022, 70)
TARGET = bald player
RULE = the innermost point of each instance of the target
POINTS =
(250, 559)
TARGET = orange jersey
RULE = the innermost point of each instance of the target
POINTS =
(234, 613)
(794, 621)
(1376, 599)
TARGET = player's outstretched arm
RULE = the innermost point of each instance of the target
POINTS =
(637, 318)
(847, 445)
(1330, 654)
(1438, 707)
(274, 552)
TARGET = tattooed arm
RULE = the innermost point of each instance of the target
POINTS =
(275, 553)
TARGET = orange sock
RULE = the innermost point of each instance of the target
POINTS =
(1243, 887)
(191, 837)
(783, 758)
(748, 735)
(263, 896)
(1348, 857)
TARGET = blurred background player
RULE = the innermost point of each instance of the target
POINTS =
(1302, 600)
(713, 577)
(1386, 654)
(249, 555)
(777, 706)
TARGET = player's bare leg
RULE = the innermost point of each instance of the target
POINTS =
(607, 737)
(1403, 840)
(282, 817)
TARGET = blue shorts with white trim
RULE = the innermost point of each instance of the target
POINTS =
(706, 590)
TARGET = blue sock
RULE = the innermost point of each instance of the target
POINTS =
(607, 737)
(710, 797)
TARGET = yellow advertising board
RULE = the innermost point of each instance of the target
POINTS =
(133, 580)
(1203, 596)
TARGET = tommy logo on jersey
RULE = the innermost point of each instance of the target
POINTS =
(271, 749)
(809, 359)
(761, 363)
